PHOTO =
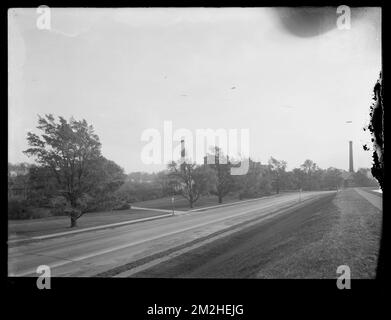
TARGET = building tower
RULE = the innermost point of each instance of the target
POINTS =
(351, 156)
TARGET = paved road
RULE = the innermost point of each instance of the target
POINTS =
(309, 242)
(91, 253)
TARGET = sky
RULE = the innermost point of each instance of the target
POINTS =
(128, 70)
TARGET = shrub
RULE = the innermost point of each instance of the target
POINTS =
(122, 206)
(20, 209)
(39, 212)
(86, 203)
(58, 205)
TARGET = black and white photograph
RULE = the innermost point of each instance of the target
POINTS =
(195, 143)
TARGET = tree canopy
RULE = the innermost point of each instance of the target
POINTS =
(71, 151)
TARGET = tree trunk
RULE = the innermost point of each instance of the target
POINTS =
(73, 220)
(75, 214)
(191, 201)
(220, 199)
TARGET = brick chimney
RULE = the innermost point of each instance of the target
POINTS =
(183, 153)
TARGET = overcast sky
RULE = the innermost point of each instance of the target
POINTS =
(126, 70)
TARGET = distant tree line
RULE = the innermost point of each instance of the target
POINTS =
(71, 177)
(193, 181)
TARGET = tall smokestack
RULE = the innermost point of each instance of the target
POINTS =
(183, 149)
(351, 156)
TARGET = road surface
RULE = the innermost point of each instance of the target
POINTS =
(99, 252)
(311, 242)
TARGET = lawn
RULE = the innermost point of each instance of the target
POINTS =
(36, 227)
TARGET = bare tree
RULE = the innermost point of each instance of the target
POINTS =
(278, 170)
(191, 180)
(223, 179)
